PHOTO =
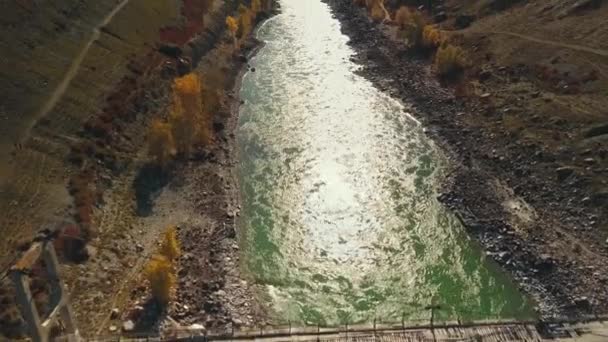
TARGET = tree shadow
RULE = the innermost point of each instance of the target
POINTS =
(147, 184)
(149, 319)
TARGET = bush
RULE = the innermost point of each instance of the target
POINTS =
(169, 247)
(377, 13)
(450, 60)
(161, 276)
(431, 37)
(402, 17)
(411, 25)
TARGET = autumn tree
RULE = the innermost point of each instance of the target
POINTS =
(245, 21)
(169, 247)
(160, 143)
(190, 123)
(233, 27)
(160, 273)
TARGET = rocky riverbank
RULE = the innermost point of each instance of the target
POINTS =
(510, 193)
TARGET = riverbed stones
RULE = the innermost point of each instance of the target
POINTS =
(128, 326)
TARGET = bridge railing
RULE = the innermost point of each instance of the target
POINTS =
(318, 332)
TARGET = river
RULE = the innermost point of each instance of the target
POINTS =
(340, 221)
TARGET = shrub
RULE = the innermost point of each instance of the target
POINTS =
(431, 37)
(377, 13)
(160, 143)
(233, 27)
(411, 25)
(450, 60)
(161, 276)
(169, 247)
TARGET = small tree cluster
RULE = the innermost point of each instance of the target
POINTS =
(449, 60)
(160, 270)
(189, 124)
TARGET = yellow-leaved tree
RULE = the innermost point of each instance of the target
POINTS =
(169, 247)
(160, 143)
(161, 276)
(189, 121)
(245, 22)
(233, 27)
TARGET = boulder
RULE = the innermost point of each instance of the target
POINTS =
(128, 326)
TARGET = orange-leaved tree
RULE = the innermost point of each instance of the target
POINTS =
(160, 142)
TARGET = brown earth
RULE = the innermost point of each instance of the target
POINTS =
(527, 133)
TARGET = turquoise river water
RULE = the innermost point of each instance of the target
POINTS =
(340, 220)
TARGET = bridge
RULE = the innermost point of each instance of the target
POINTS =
(591, 330)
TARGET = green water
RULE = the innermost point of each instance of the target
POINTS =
(340, 220)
